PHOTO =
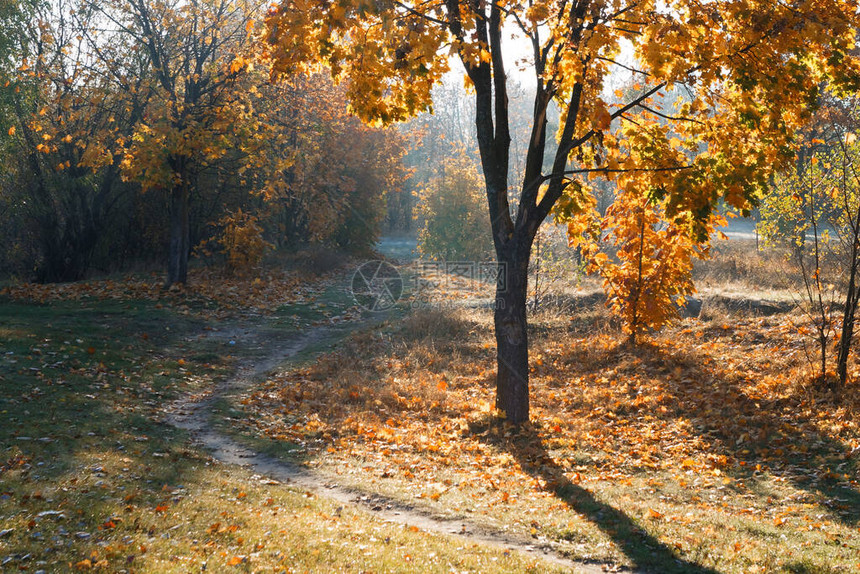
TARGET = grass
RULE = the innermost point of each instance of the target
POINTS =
(333, 303)
(704, 450)
(91, 479)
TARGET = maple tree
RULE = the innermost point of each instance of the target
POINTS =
(133, 126)
(322, 173)
(68, 116)
(745, 72)
(242, 240)
(196, 53)
(650, 273)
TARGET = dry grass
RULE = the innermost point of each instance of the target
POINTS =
(90, 479)
(703, 450)
(739, 262)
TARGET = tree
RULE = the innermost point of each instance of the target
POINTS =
(735, 124)
(848, 224)
(814, 210)
(128, 127)
(795, 213)
(67, 116)
(749, 73)
(650, 273)
(198, 54)
(323, 173)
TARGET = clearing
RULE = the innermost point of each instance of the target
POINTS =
(160, 432)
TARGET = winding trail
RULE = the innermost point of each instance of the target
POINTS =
(194, 414)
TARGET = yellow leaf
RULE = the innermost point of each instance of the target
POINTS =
(12, 131)
(237, 65)
(602, 117)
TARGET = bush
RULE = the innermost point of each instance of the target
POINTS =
(452, 207)
(241, 240)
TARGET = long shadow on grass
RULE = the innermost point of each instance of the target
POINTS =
(754, 433)
(78, 382)
(646, 552)
(75, 376)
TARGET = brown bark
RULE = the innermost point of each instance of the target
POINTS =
(512, 344)
(848, 317)
(177, 255)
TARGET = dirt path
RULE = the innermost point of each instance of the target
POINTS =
(194, 414)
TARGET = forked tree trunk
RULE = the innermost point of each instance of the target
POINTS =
(513, 236)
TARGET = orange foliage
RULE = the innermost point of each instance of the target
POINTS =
(713, 401)
(241, 240)
(649, 274)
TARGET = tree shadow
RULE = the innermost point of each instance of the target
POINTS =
(645, 552)
(360, 383)
(753, 433)
(62, 398)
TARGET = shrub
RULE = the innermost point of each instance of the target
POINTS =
(453, 208)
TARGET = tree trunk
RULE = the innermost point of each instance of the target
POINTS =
(177, 256)
(851, 300)
(512, 343)
(845, 344)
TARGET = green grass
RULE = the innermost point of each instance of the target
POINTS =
(332, 302)
(71, 369)
(90, 478)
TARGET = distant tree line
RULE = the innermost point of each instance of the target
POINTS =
(149, 132)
